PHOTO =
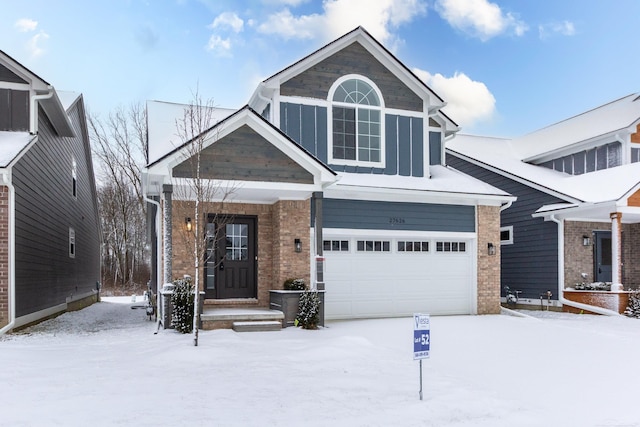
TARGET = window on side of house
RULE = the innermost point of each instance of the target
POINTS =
(506, 235)
(356, 123)
(74, 178)
(72, 243)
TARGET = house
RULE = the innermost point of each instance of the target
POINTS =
(50, 237)
(577, 217)
(337, 166)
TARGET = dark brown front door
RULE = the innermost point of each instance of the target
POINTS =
(232, 273)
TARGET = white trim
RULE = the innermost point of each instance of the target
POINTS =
(38, 315)
(380, 108)
(15, 86)
(509, 241)
(328, 233)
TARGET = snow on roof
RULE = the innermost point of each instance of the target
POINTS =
(67, 98)
(443, 180)
(162, 119)
(606, 119)
(11, 143)
(594, 187)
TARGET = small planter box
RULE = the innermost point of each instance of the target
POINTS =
(611, 300)
(288, 301)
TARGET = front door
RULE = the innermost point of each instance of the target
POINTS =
(231, 260)
(603, 256)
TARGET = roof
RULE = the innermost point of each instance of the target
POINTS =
(162, 121)
(498, 154)
(11, 144)
(620, 115)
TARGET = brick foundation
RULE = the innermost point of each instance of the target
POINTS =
(488, 265)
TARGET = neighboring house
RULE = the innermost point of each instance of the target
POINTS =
(338, 166)
(577, 217)
(50, 238)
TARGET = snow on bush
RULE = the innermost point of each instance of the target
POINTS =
(633, 309)
(308, 310)
(182, 301)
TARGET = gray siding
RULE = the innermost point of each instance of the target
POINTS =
(374, 215)
(45, 210)
(6, 75)
(531, 262)
(14, 110)
(435, 148)
(404, 142)
(354, 59)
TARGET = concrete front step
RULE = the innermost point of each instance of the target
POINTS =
(224, 318)
(257, 326)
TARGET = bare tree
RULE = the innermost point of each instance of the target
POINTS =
(196, 192)
(120, 146)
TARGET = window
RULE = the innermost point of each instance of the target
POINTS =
(356, 123)
(336, 245)
(374, 246)
(74, 178)
(451, 247)
(506, 235)
(404, 246)
(72, 243)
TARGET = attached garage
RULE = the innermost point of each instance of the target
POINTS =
(386, 273)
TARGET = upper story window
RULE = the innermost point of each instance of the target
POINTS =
(356, 122)
(597, 158)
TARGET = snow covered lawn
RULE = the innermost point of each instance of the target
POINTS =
(103, 366)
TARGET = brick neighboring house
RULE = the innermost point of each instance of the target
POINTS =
(49, 226)
(577, 216)
(341, 157)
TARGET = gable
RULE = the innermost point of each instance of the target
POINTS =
(6, 75)
(635, 137)
(634, 199)
(244, 155)
(316, 81)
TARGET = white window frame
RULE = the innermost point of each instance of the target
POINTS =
(74, 178)
(72, 243)
(509, 241)
(381, 109)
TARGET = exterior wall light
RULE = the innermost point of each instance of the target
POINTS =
(188, 224)
(298, 245)
(586, 240)
(491, 249)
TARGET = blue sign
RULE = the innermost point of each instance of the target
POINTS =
(421, 336)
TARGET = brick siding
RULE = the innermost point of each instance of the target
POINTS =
(488, 265)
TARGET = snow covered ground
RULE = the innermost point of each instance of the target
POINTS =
(103, 366)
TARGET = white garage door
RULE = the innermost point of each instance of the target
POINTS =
(383, 277)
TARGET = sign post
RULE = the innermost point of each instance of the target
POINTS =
(421, 340)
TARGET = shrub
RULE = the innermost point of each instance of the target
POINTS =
(182, 301)
(633, 309)
(308, 310)
(295, 285)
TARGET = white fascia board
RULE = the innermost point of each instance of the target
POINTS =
(577, 212)
(356, 232)
(413, 196)
(513, 177)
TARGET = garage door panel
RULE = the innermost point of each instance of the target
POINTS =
(368, 284)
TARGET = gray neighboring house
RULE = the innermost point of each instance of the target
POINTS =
(576, 221)
(49, 225)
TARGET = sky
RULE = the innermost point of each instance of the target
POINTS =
(103, 366)
(505, 67)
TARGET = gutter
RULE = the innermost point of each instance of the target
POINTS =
(561, 299)
(34, 98)
(6, 180)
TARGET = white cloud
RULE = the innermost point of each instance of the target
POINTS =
(219, 46)
(25, 25)
(285, 2)
(479, 18)
(228, 20)
(379, 17)
(35, 44)
(468, 101)
(565, 28)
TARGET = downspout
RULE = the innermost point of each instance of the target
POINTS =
(6, 180)
(268, 101)
(561, 299)
(158, 264)
(506, 206)
(32, 116)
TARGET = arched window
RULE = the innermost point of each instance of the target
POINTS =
(356, 122)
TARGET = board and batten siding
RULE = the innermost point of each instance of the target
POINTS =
(530, 264)
(375, 215)
(45, 210)
(316, 81)
(404, 139)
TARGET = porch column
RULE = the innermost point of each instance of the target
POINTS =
(167, 246)
(616, 251)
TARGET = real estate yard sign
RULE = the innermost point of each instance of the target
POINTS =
(421, 340)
